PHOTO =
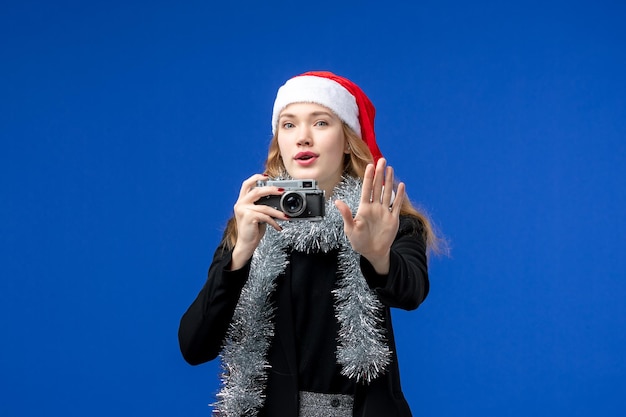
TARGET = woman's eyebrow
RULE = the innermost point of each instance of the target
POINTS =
(321, 113)
(313, 114)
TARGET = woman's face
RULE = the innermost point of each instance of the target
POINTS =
(312, 144)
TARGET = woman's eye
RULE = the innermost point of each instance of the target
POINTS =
(288, 125)
(321, 123)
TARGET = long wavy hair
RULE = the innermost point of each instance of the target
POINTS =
(354, 165)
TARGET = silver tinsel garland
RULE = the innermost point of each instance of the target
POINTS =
(362, 350)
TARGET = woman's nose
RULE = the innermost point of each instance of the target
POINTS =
(304, 137)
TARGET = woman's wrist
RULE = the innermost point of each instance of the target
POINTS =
(240, 257)
(380, 263)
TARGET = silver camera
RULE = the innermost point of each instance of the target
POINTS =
(302, 199)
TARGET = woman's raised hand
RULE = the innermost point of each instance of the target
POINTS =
(375, 225)
(252, 218)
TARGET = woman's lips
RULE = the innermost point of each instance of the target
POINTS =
(305, 158)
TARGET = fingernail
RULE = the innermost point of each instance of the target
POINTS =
(281, 189)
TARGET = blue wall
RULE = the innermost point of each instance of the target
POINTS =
(127, 128)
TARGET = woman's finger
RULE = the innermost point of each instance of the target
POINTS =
(388, 189)
(346, 215)
(368, 184)
(379, 177)
(399, 199)
(266, 219)
(257, 193)
(250, 184)
(253, 211)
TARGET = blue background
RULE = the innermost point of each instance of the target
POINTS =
(127, 128)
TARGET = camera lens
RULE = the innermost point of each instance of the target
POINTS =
(293, 203)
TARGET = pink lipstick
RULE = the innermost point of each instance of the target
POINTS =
(306, 158)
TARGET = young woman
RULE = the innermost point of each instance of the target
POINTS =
(298, 310)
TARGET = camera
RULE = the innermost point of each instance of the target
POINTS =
(302, 199)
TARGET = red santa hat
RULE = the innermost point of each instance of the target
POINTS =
(339, 94)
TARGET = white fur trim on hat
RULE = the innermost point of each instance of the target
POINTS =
(319, 90)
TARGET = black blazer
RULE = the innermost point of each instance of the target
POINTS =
(205, 323)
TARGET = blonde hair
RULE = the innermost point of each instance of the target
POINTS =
(354, 165)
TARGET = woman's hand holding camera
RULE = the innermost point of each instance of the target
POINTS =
(252, 219)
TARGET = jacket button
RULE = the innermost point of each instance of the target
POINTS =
(335, 402)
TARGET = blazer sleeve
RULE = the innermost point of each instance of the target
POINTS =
(406, 285)
(204, 325)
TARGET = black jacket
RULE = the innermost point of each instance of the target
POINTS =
(204, 325)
